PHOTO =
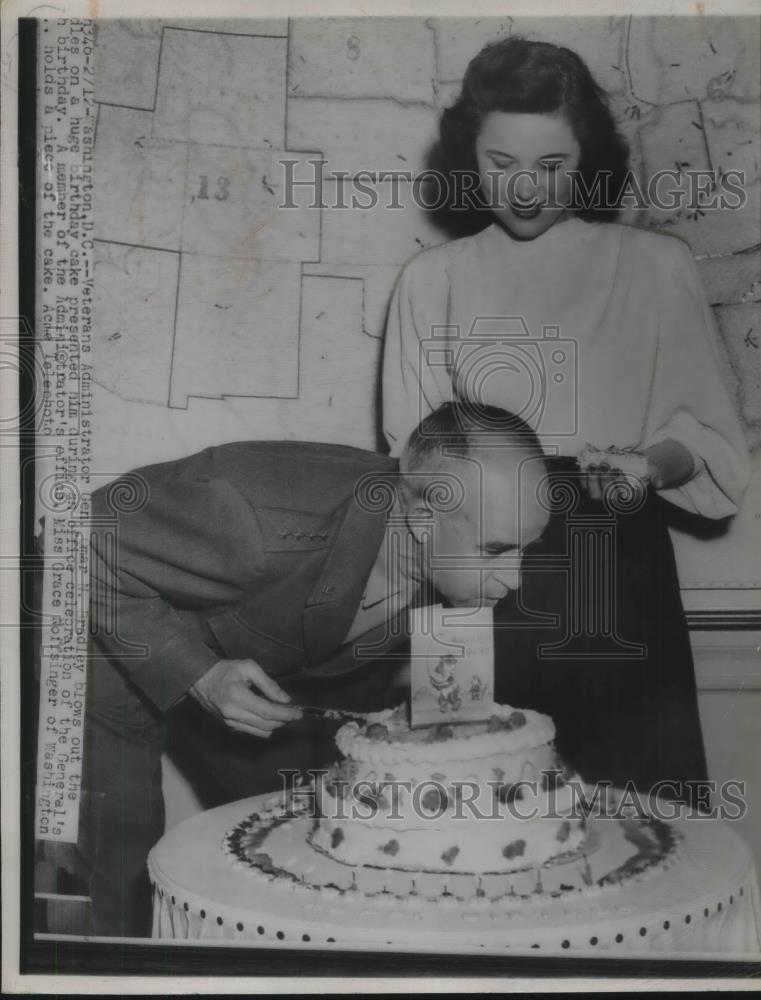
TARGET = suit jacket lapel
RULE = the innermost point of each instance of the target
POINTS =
(375, 644)
(331, 606)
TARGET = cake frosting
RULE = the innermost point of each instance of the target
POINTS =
(626, 460)
(478, 797)
(351, 867)
(629, 884)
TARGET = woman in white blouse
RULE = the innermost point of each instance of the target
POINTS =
(597, 334)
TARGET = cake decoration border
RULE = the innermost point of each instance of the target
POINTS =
(282, 808)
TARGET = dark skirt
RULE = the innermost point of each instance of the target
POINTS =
(597, 639)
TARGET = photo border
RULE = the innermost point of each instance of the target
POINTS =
(74, 958)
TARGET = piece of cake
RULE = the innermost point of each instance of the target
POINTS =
(631, 463)
(473, 797)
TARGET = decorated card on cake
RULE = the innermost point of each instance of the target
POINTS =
(452, 675)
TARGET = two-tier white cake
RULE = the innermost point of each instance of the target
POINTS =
(473, 797)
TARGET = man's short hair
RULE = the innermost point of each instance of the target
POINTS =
(457, 429)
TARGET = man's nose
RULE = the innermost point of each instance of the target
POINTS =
(508, 576)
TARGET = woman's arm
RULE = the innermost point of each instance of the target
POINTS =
(689, 404)
(415, 379)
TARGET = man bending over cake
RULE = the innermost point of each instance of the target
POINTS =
(253, 577)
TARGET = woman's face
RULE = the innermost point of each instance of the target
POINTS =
(524, 162)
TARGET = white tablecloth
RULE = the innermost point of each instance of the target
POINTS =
(707, 903)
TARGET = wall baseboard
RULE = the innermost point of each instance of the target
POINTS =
(727, 661)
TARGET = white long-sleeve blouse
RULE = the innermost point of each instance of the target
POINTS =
(594, 333)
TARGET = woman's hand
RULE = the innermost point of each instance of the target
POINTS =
(664, 465)
(602, 477)
(227, 691)
(669, 464)
(604, 468)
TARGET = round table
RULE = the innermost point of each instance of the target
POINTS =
(705, 901)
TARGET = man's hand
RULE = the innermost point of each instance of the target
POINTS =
(227, 691)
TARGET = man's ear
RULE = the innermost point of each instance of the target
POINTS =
(419, 519)
(417, 513)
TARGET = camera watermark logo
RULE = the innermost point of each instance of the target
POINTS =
(498, 358)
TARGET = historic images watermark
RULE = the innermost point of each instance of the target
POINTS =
(551, 797)
(464, 190)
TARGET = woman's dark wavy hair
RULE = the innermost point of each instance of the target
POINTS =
(522, 76)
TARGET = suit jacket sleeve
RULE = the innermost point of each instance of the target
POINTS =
(194, 545)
